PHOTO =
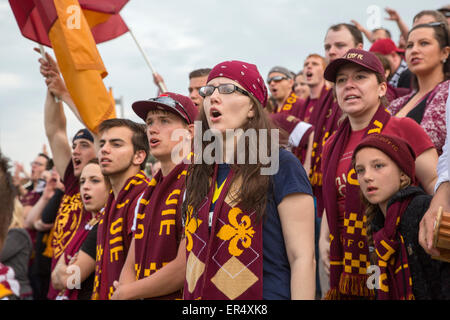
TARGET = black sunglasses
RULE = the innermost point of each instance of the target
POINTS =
(171, 103)
(225, 88)
(276, 79)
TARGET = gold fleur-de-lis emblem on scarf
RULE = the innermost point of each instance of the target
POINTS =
(236, 231)
(192, 225)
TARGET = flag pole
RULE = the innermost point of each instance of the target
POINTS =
(41, 48)
(161, 84)
(57, 100)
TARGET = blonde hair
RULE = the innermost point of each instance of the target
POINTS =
(17, 220)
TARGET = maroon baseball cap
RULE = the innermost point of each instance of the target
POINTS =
(168, 101)
(363, 58)
(385, 46)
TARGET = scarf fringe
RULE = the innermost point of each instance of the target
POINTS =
(355, 285)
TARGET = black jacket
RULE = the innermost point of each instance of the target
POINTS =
(430, 277)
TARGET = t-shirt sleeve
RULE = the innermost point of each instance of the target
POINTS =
(412, 132)
(90, 243)
(291, 177)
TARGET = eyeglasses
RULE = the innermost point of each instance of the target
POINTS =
(276, 79)
(35, 163)
(225, 88)
(171, 103)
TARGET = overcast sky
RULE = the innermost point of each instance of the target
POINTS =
(178, 36)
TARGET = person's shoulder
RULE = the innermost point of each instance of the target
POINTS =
(403, 125)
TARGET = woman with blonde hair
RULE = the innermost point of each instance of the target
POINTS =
(17, 250)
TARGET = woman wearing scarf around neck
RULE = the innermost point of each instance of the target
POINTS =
(360, 89)
(249, 233)
(385, 169)
(427, 51)
(94, 190)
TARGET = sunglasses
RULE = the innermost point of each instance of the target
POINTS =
(225, 88)
(171, 103)
(276, 79)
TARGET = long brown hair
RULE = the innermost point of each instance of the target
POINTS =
(371, 212)
(253, 192)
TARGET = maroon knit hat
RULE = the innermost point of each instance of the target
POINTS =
(396, 148)
(246, 74)
(363, 58)
(183, 106)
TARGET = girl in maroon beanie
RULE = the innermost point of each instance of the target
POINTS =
(385, 168)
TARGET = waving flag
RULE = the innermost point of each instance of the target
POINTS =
(72, 29)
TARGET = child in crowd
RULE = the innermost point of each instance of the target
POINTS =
(385, 168)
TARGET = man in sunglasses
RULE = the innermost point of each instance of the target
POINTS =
(281, 82)
(158, 244)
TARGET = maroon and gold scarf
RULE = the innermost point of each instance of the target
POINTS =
(113, 236)
(395, 281)
(291, 105)
(325, 118)
(158, 224)
(349, 254)
(226, 262)
(71, 250)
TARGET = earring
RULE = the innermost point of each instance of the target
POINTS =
(444, 61)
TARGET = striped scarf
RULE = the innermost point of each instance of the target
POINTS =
(9, 286)
(349, 253)
(395, 282)
(158, 224)
(114, 235)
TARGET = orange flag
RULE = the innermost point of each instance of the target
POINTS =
(80, 64)
(64, 23)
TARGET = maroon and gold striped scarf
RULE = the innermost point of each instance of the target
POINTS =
(226, 262)
(291, 105)
(158, 224)
(349, 253)
(395, 282)
(114, 236)
(325, 118)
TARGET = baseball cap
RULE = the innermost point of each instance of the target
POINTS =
(363, 58)
(83, 134)
(282, 70)
(168, 101)
(385, 46)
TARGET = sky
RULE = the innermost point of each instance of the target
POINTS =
(178, 36)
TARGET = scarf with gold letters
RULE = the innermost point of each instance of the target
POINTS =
(395, 282)
(325, 118)
(224, 257)
(349, 253)
(158, 224)
(114, 235)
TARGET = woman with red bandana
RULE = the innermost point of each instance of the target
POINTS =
(245, 235)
